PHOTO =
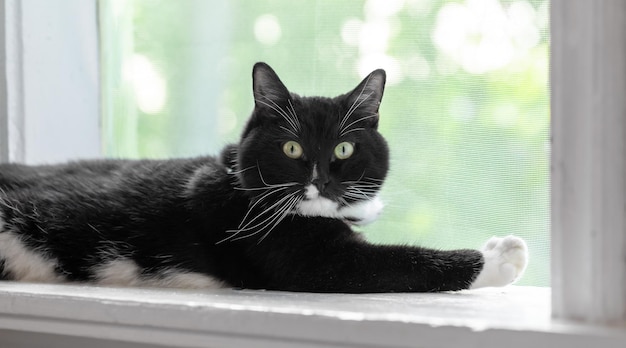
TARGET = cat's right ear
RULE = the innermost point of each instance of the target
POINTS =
(267, 87)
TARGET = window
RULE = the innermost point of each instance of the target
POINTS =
(46, 92)
(465, 109)
(588, 282)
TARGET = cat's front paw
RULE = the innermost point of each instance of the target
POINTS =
(505, 261)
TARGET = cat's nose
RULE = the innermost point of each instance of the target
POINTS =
(320, 184)
(319, 178)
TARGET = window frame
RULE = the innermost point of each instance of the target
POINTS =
(8, 82)
(49, 93)
(50, 315)
(588, 198)
(588, 193)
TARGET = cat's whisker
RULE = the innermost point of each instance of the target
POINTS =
(288, 210)
(295, 115)
(361, 182)
(236, 233)
(272, 185)
(274, 219)
(284, 211)
(354, 181)
(369, 195)
(269, 192)
(359, 195)
(352, 107)
(359, 189)
(265, 187)
(250, 188)
(362, 175)
(234, 172)
(354, 200)
(257, 201)
(276, 107)
(366, 185)
(247, 226)
(288, 131)
(350, 112)
(362, 194)
(281, 112)
(370, 188)
(362, 188)
(352, 193)
(356, 107)
(344, 202)
(355, 195)
(292, 119)
(364, 179)
(351, 130)
(355, 122)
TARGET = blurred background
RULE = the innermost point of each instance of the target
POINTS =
(465, 111)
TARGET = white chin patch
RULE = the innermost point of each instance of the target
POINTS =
(358, 213)
(363, 212)
(316, 205)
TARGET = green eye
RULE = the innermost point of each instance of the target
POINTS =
(344, 150)
(292, 149)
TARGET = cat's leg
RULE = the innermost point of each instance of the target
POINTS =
(505, 261)
(376, 268)
(353, 266)
(325, 255)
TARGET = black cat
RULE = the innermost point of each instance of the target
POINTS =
(272, 212)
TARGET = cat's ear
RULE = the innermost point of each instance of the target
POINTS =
(267, 87)
(367, 96)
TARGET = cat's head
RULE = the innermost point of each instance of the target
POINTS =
(314, 156)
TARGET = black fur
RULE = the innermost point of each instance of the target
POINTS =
(186, 213)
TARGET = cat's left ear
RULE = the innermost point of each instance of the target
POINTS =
(366, 97)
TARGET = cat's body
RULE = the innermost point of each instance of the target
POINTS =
(272, 212)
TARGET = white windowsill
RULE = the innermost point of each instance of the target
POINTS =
(511, 317)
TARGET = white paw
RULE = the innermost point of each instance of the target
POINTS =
(505, 261)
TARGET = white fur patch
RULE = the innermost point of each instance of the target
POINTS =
(363, 212)
(359, 213)
(316, 205)
(314, 174)
(505, 261)
(24, 264)
(173, 278)
(311, 192)
(125, 272)
(120, 272)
